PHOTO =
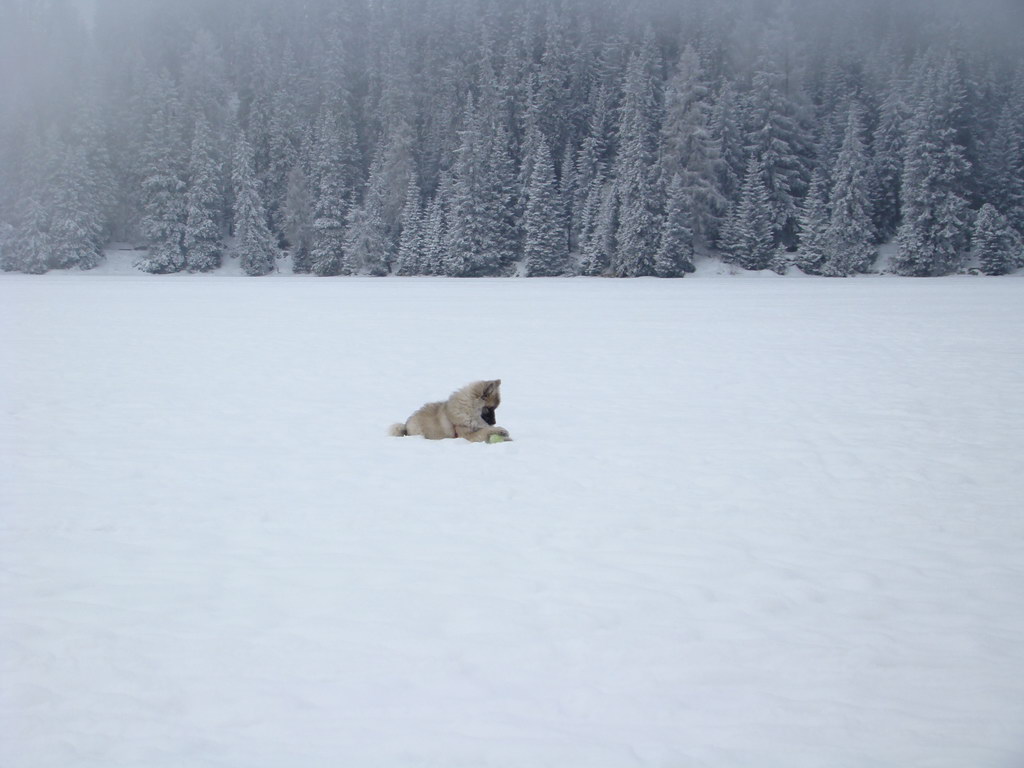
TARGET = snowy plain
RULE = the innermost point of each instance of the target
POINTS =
(743, 523)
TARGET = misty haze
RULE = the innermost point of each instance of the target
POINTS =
(474, 138)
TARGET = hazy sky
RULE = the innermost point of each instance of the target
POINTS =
(87, 7)
(1003, 19)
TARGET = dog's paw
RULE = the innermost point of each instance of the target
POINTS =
(500, 431)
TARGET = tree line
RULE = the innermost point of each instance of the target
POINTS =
(499, 137)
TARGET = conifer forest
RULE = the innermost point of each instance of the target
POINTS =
(473, 138)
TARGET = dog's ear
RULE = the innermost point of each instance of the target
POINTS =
(491, 387)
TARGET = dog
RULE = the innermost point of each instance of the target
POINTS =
(468, 413)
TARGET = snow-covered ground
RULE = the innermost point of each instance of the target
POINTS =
(743, 524)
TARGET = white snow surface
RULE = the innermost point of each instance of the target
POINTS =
(743, 523)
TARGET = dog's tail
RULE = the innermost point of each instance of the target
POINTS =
(397, 430)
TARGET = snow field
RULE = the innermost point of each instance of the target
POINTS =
(742, 523)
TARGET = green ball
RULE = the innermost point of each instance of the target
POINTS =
(496, 438)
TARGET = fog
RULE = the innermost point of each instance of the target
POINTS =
(107, 81)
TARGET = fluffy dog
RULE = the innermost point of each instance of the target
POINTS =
(468, 413)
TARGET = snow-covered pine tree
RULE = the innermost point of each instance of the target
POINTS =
(390, 172)
(589, 168)
(29, 241)
(849, 239)
(688, 146)
(635, 173)
(298, 220)
(7, 261)
(546, 247)
(501, 195)
(814, 221)
(529, 132)
(782, 259)
(996, 244)
(609, 71)
(832, 107)
(932, 236)
(203, 203)
(956, 105)
(98, 186)
(748, 234)
(472, 238)
(568, 188)
(597, 238)
(887, 158)
(255, 245)
(257, 126)
(583, 225)
(76, 221)
(554, 83)
(675, 249)
(1015, 145)
(490, 99)
(393, 92)
(435, 235)
(727, 137)
(330, 206)
(1003, 160)
(410, 242)
(367, 246)
(782, 147)
(283, 139)
(164, 158)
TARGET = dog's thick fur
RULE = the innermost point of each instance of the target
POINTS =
(468, 413)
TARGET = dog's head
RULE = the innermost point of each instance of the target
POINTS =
(490, 399)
